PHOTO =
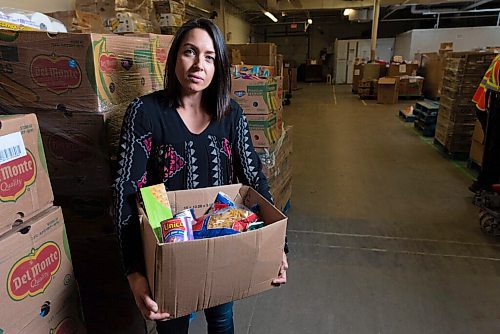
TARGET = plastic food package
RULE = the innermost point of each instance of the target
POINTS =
(19, 19)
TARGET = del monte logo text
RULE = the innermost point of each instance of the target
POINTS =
(57, 73)
(16, 176)
(32, 274)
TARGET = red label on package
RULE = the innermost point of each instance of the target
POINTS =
(108, 63)
(76, 148)
(57, 74)
(16, 176)
(67, 326)
(32, 274)
(161, 55)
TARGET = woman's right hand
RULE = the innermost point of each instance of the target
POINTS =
(140, 289)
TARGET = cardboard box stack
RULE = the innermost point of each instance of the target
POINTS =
(463, 74)
(79, 85)
(170, 15)
(290, 76)
(387, 90)
(409, 84)
(260, 94)
(367, 80)
(39, 291)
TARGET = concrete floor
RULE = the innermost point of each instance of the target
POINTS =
(383, 235)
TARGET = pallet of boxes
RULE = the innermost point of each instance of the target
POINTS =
(365, 80)
(258, 89)
(79, 86)
(457, 113)
(39, 292)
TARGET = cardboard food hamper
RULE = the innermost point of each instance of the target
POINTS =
(24, 181)
(38, 289)
(195, 275)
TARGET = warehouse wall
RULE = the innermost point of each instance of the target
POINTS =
(402, 45)
(464, 39)
(238, 30)
(40, 6)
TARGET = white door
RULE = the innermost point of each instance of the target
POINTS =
(341, 48)
(351, 57)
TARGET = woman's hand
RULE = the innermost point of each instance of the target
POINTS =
(140, 289)
(282, 274)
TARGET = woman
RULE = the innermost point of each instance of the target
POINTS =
(191, 135)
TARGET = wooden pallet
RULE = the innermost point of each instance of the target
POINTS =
(407, 118)
(452, 155)
(426, 130)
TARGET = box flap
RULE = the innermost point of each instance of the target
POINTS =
(387, 81)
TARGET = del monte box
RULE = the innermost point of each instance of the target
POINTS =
(24, 181)
(74, 72)
(198, 274)
(37, 279)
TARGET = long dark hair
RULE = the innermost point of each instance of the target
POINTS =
(216, 95)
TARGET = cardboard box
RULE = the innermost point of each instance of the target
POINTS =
(371, 71)
(265, 130)
(446, 46)
(75, 72)
(159, 48)
(476, 152)
(478, 134)
(234, 56)
(279, 64)
(411, 86)
(169, 6)
(387, 90)
(73, 142)
(37, 275)
(257, 53)
(432, 70)
(195, 275)
(257, 96)
(170, 20)
(397, 70)
(24, 181)
(252, 71)
(357, 76)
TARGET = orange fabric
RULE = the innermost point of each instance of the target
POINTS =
(491, 81)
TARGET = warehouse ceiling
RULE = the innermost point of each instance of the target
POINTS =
(324, 10)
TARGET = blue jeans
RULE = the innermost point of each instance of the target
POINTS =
(219, 321)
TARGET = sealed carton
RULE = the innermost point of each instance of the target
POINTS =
(73, 142)
(387, 90)
(397, 70)
(24, 181)
(477, 146)
(265, 130)
(74, 72)
(257, 96)
(195, 275)
(37, 278)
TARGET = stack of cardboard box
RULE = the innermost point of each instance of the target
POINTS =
(170, 15)
(260, 94)
(463, 74)
(79, 85)
(39, 292)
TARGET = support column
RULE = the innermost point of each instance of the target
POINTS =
(376, 12)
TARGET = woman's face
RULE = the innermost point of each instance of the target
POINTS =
(195, 64)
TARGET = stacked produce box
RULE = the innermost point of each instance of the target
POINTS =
(259, 91)
(79, 86)
(462, 75)
(170, 15)
(39, 292)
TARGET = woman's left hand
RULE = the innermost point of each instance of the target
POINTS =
(282, 274)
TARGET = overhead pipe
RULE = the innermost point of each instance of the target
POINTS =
(475, 4)
(416, 11)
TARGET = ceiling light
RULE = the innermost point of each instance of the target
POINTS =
(271, 16)
(347, 11)
(310, 21)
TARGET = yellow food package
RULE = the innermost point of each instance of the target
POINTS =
(157, 206)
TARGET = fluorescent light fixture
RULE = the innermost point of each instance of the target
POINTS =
(271, 16)
(310, 21)
(347, 11)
